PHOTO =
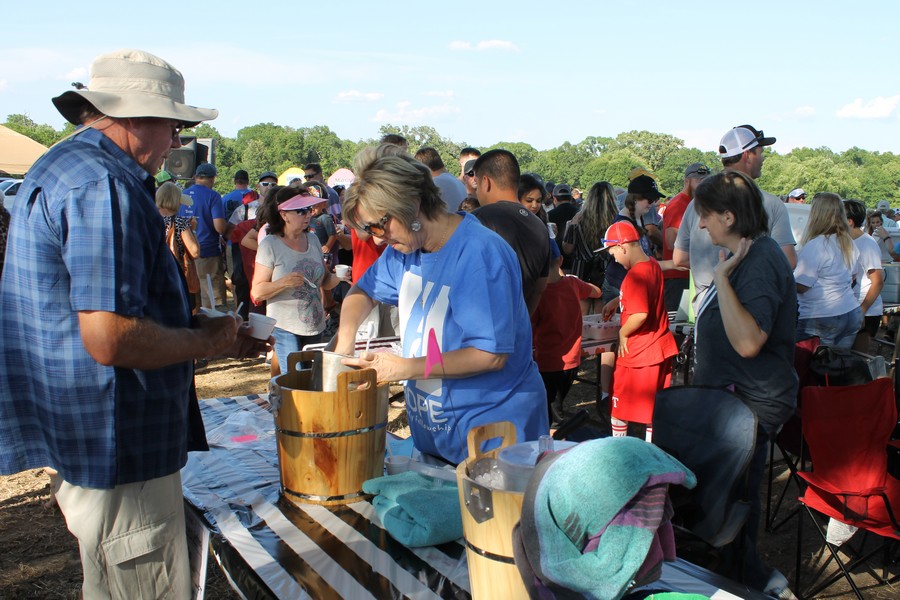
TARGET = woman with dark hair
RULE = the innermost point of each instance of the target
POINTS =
(875, 228)
(464, 326)
(289, 271)
(642, 192)
(586, 229)
(745, 337)
(531, 195)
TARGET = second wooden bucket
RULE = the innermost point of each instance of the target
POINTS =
(488, 516)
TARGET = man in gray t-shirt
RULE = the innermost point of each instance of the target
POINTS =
(741, 149)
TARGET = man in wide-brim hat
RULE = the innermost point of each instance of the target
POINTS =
(97, 343)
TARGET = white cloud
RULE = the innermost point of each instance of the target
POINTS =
(805, 111)
(484, 45)
(76, 74)
(3, 84)
(441, 93)
(406, 113)
(357, 96)
(879, 108)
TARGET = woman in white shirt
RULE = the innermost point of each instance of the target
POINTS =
(828, 306)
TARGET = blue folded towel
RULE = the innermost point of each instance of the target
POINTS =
(417, 510)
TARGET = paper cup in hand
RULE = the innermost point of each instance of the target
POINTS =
(341, 271)
(261, 326)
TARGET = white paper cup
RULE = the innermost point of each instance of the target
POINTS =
(261, 326)
(341, 271)
(396, 464)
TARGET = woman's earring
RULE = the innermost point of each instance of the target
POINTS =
(415, 226)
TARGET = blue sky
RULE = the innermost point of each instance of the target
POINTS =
(810, 73)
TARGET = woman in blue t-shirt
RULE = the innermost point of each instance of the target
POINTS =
(456, 283)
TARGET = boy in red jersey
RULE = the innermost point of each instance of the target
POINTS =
(646, 346)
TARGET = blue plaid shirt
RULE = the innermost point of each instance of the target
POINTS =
(86, 236)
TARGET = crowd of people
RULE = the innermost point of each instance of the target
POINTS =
(492, 271)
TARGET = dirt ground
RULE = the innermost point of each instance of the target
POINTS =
(39, 558)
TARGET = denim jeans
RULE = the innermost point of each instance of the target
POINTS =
(287, 342)
(839, 331)
(608, 292)
(741, 560)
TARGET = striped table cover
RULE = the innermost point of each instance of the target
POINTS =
(271, 548)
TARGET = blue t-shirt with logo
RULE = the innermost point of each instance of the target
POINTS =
(470, 293)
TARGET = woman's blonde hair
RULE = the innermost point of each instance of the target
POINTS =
(168, 196)
(392, 182)
(828, 217)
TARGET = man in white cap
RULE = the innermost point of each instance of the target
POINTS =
(741, 149)
(97, 343)
(796, 196)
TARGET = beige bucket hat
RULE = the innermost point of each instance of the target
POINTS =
(133, 83)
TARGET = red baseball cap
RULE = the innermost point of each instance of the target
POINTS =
(621, 232)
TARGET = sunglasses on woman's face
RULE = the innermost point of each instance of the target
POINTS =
(299, 211)
(377, 229)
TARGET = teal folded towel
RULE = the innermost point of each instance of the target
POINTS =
(416, 510)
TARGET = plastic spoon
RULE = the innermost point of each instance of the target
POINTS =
(370, 333)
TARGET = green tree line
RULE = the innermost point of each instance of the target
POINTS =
(856, 173)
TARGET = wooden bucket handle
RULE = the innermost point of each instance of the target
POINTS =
(345, 378)
(479, 434)
(294, 358)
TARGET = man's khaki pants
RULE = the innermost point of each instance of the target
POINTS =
(131, 538)
(216, 269)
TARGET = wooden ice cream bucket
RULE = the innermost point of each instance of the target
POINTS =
(488, 517)
(329, 443)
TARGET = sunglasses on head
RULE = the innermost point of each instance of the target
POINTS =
(377, 229)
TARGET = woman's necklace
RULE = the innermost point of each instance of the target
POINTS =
(447, 229)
